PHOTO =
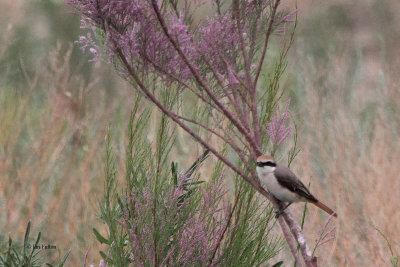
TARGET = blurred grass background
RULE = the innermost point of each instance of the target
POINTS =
(55, 108)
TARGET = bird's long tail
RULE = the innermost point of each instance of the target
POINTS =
(324, 207)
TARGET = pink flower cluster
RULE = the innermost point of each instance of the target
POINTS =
(131, 27)
(190, 238)
(276, 128)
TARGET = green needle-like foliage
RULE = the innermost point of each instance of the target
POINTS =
(27, 254)
(162, 215)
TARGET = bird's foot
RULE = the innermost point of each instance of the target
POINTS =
(281, 211)
(278, 213)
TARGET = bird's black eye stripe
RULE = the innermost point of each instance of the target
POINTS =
(268, 163)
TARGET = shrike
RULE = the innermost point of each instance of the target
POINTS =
(283, 184)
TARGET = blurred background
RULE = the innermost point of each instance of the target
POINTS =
(342, 78)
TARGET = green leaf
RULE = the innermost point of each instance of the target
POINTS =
(195, 183)
(64, 258)
(174, 171)
(279, 263)
(36, 244)
(99, 237)
(103, 255)
(28, 228)
(197, 163)
(120, 203)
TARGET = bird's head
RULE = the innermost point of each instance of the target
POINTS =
(265, 165)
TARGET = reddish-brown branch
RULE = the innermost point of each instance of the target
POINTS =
(240, 104)
(269, 32)
(173, 116)
(296, 231)
(290, 244)
(253, 38)
(196, 75)
(220, 125)
(241, 41)
(232, 101)
(224, 231)
(228, 141)
(235, 88)
(248, 84)
(254, 113)
(253, 93)
(236, 74)
(177, 79)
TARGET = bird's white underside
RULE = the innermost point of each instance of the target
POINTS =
(267, 178)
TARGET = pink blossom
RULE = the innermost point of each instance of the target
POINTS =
(276, 128)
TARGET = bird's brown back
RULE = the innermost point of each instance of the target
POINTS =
(288, 179)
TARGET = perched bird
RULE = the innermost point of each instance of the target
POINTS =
(283, 184)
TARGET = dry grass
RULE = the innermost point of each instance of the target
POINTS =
(51, 153)
(347, 110)
(357, 173)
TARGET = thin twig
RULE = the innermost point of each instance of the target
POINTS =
(201, 82)
(229, 142)
(241, 41)
(224, 231)
(269, 32)
(177, 79)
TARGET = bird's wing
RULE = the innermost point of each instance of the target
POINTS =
(289, 180)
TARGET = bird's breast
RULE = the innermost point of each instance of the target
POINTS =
(276, 189)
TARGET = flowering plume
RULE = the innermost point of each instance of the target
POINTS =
(129, 27)
(276, 128)
(219, 39)
(191, 238)
(283, 19)
(325, 234)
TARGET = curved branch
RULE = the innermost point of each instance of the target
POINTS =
(253, 93)
(241, 41)
(228, 114)
(291, 247)
(239, 112)
(296, 231)
(210, 262)
(269, 32)
(229, 142)
(180, 123)
(178, 80)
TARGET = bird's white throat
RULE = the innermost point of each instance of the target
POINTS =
(265, 170)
